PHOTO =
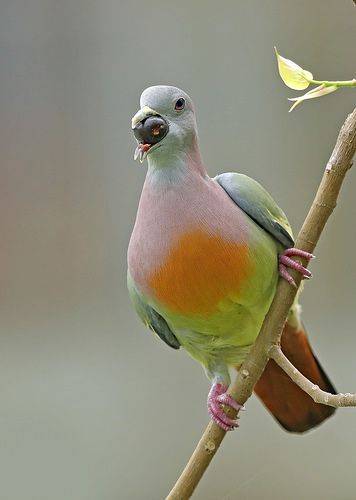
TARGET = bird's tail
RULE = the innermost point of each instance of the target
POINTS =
(292, 407)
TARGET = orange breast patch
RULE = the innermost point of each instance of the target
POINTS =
(199, 272)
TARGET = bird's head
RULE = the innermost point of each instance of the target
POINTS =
(165, 125)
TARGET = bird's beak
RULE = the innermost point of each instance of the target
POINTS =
(141, 114)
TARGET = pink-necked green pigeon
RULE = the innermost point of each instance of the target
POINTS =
(204, 259)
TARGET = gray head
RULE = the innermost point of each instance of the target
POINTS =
(165, 124)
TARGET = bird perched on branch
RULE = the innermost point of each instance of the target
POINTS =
(204, 259)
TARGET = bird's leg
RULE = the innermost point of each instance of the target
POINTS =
(218, 397)
(218, 374)
(285, 261)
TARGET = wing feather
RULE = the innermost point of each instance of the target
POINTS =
(258, 204)
(151, 318)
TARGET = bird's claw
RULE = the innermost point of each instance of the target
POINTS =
(285, 261)
(216, 398)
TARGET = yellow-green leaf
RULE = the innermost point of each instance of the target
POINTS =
(293, 75)
(312, 94)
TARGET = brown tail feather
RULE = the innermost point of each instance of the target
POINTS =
(293, 408)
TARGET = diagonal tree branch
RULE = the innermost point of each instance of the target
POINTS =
(271, 331)
(314, 391)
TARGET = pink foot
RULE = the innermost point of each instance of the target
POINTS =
(217, 397)
(285, 261)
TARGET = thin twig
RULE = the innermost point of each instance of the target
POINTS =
(314, 391)
(270, 334)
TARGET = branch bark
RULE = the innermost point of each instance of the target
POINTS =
(314, 391)
(267, 343)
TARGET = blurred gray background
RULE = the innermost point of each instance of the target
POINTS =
(92, 405)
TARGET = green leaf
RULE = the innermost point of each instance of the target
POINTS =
(312, 94)
(293, 75)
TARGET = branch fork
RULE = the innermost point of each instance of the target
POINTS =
(314, 391)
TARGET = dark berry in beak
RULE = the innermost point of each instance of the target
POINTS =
(151, 130)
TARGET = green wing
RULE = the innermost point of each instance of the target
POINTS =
(254, 200)
(151, 318)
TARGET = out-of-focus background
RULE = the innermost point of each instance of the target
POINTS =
(92, 405)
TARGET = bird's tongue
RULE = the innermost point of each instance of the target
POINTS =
(141, 151)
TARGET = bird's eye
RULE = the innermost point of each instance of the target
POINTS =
(179, 104)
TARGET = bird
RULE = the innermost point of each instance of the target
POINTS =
(204, 260)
